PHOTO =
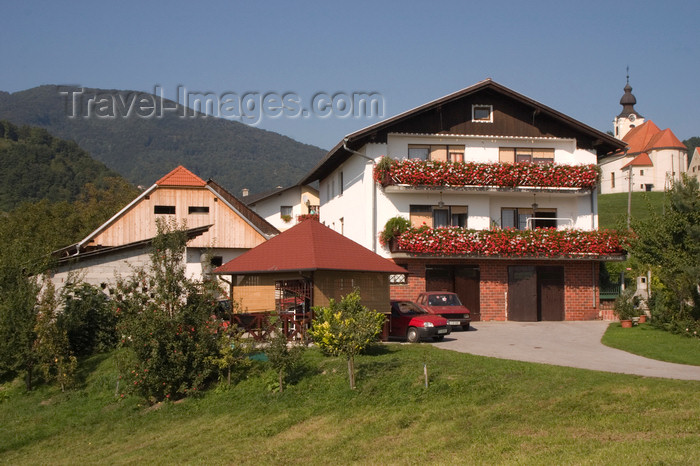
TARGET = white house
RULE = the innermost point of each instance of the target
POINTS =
(282, 207)
(694, 167)
(454, 168)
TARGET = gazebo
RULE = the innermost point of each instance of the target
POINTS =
(305, 266)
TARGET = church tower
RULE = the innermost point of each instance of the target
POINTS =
(628, 118)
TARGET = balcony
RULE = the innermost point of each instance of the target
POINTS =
(411, 174)
(539, 243)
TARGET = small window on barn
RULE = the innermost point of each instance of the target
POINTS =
(482, 113)
(216, 261)
(198, 209)
(164, 209)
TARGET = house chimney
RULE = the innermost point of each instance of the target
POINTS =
(244, 192)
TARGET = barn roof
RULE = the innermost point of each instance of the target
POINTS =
(308, 246)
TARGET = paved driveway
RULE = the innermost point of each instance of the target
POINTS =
(573, 344)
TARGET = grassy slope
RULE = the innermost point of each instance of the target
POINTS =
(476, 410)
(612, 208)
(653, 343)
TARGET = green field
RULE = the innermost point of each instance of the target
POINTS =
(476, 410)
(612, 208)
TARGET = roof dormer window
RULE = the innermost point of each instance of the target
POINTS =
(482, 113)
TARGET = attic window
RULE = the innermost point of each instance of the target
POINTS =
(198, 209)
(164, 209)
(482, 113)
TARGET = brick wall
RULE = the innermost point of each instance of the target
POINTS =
(580, 285)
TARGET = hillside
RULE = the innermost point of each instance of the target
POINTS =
(34, 165)
(143, 149)
(612, 208)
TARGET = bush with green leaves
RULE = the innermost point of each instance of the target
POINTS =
(167, 325)
(284, 356)
(88, 318)
(393, 228)
(624, 306)
(346, 328)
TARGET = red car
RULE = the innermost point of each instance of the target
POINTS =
(413, 323)
(447, 305)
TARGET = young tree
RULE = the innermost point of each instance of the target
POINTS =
(167, 323)
(670, 245)
(285, 358)
(346, 328)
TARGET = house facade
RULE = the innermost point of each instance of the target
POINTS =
(652, 159)
(222, 228)
(694, 166)
(283, 207)
(501, 195)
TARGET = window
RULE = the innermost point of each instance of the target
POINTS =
(517, 218)
(216, 261)
(198, 209)
(438, 216)
(399, 278)
(641, 172)
(341, 183)
(436, 152)
(286, 211)
(522, 154)
(164, 209)
(612, 179)
(482, 113)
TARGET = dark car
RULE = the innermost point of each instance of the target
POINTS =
(447, 305)
(410, 321)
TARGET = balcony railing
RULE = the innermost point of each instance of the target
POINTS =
(414, 172)
(511, 243)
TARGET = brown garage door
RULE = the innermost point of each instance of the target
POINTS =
(522, 293)
(463, 280)
(551, 292)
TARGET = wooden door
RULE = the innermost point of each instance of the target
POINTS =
(522, 293)
(466, 280)
(439, 279)
(551, 292)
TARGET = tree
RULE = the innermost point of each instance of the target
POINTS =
(284, 358)
(670, 245)
(346, 328)
(167, 324)
(691, 144)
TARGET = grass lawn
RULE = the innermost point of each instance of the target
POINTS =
(476, 410)
(653, 343)
(612, 208)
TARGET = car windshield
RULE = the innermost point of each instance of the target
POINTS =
(409, 308)
(444, 300)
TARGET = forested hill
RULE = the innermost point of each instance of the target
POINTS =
(143, 149)
(34, 165)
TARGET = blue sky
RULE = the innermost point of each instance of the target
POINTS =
(568, 55)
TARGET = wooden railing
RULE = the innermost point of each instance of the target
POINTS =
(261, 325)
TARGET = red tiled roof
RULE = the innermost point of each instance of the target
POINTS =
(181, 177)
(642, 160)
(308, 246)
(638, 137)
(647, 137)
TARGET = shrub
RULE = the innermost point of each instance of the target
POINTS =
(88, 319)
(624, 305)
(394, 227)
(346, 328)
(283, 357)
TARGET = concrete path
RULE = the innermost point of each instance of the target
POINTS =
(573, 344)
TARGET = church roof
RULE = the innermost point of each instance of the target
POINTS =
(642, 160)
(308, 246)
(648, 137)
(181, 176)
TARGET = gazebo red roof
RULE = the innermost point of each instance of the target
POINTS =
(305, 247)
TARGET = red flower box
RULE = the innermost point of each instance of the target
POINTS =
(540, 242)
(434, 173)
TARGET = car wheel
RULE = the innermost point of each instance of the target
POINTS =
(439, 338)
(412, 335)
(465, 327)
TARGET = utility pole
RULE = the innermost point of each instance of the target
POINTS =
(629, 199)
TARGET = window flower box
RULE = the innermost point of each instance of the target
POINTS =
(539, 243)
(436, 173)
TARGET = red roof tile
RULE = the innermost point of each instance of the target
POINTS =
(308, 246)
(181, 177)
(647, 137)
(642, 160)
